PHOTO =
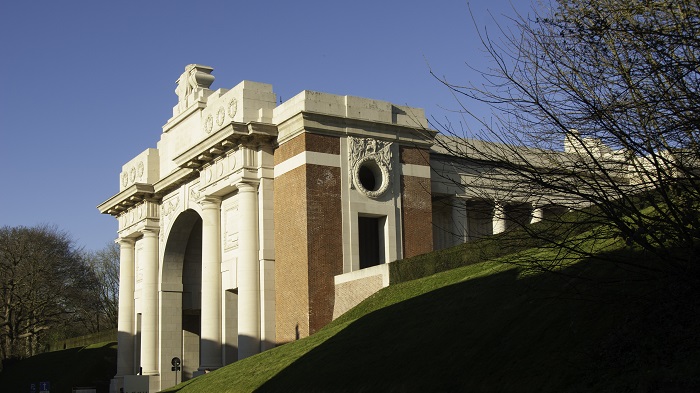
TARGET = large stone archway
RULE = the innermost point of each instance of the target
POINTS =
(180, 299)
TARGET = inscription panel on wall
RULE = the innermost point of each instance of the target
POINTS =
(231, 227)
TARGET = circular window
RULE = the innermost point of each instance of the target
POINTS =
(371, 178)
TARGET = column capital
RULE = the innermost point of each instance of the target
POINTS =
(125, 241)
(246, 186)
(150, 232)
(210, 201)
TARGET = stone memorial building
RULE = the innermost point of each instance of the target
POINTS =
(254, 223)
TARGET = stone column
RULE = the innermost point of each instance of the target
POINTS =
(248, 273)
(537, 215)
(499, 218)
(126, 331)
(210, 347)
(149, 296)
(459, 221)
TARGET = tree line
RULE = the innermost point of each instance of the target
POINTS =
(50, 289)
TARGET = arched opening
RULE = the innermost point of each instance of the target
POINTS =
(181, 293)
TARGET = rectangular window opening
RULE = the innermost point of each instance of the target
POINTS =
(371, 236)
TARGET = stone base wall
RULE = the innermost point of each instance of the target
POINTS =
(352, 288)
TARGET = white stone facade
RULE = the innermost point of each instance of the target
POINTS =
(252, 223)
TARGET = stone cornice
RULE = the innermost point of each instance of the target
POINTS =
(126, 199)
(306, 121)
(227, 138)
(175, 120)
(174, 180)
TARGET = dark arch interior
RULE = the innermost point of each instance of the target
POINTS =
(182, 264)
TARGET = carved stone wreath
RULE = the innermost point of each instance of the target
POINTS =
(209, 124)
(220, 116)
(232, 107)
(370, 159)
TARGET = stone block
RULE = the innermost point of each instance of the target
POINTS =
(144, 168)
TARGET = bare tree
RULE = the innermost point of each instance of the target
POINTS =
(104, 264)
(42, 277)
(597, 102)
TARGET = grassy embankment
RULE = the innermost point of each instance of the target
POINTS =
(477, 318)
(597, 324)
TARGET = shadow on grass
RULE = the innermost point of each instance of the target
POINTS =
(499, 333)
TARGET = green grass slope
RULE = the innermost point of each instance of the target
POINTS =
(474, 318)
(488, 327)
(90, 366)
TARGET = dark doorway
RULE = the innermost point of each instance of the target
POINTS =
(371, 240)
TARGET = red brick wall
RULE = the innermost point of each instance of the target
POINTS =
(325, 237)
(413, 155)
(416, 202)
(291, 268)
(308, 239)
(307, 142)
(417, 216)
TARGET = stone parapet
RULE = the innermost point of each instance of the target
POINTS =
(354, 287)
(144, 168)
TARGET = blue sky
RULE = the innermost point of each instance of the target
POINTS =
(87, 85)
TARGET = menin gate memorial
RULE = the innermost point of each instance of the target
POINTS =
(253, 223)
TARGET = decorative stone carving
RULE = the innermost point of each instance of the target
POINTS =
(370, 165)
(220, 116)
(138, 213)
(135, 174)
(142, 169)
(194, 78)
(171, 205)
(208, 124)
(232, 108)
(194, 192)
